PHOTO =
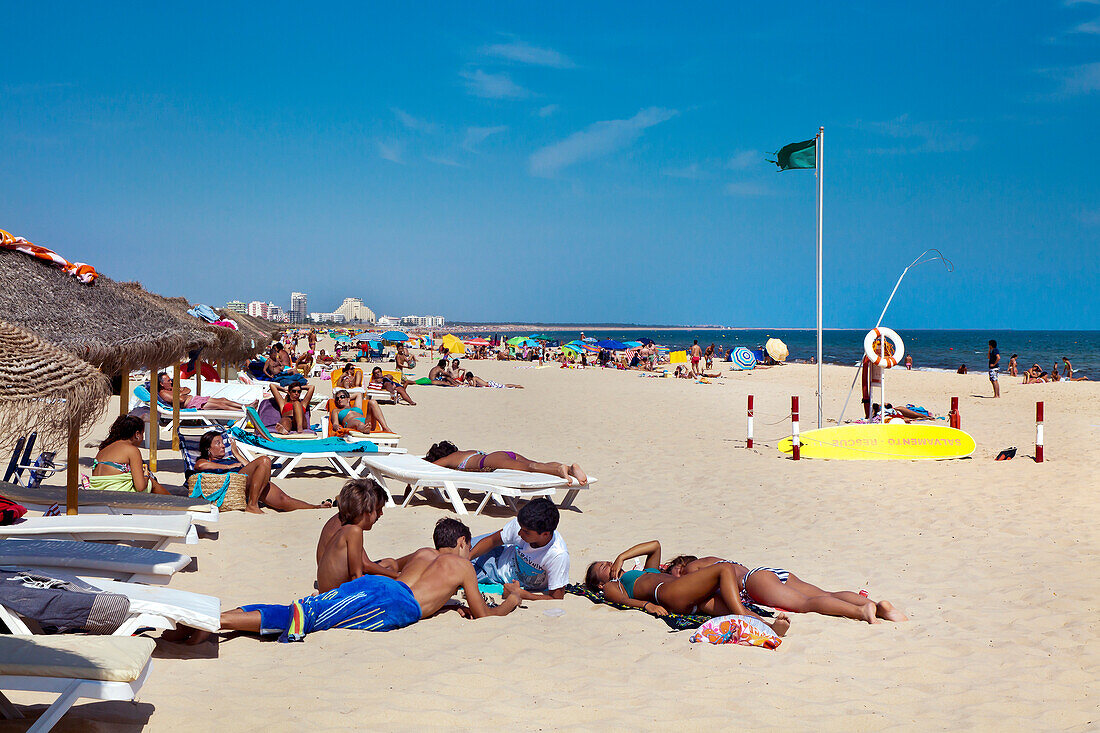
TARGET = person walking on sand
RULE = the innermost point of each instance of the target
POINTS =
(696, 355)
(994, 363)
(1012, 366)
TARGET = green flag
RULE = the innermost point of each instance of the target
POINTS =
(797, 155)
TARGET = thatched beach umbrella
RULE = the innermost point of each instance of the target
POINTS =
(229, 345)
(259, 332)
(48, 391)
(108, 324)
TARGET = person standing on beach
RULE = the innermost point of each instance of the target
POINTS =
(994, 363)
(1012, 366)
(696, 355)
(909, 362)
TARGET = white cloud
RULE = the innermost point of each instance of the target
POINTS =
(747, 188)
(744, 159)
(391, 151)
(492, 86)
(477, 135)
(596, 140)
(440, 160)
(691, 172)
(524, 53)
(547, 110)
(1083, 79)
(1091, 28)
(414, 123)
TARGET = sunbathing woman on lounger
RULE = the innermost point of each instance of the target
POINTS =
(350, 377)
(778, 588)
(212, 459)
(447, 455)
(711, 591)
(187, 401)
(474, 381)
(118, 465)
(357, 415)
(387, 383)
(293, 408)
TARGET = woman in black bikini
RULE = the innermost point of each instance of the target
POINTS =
(213, 459)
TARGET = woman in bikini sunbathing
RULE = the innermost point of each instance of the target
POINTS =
(710, 591)
(447, 455)
(350, 377)
(778, 588)
(293, 408)
(213, 459)
(357, 415)
(189, 401)
(389, 384)
(474, 381)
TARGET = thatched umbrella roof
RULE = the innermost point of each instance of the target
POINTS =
(107, 324)
(259, 331)
(229, 345)
(45, 389)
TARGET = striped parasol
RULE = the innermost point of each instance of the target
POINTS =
(744, 358)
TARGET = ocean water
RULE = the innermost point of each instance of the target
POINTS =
(930, 349)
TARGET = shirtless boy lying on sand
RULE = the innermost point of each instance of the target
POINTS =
(427, 582)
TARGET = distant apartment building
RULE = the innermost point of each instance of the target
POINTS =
(327, 317)
(277, 314)
(353, 311)
(388, 321)
(257, 308)
(297, 307)
(237, 306)
(270, 311)
(422, 321)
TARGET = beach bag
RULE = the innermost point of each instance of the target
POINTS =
(734, 629)
(224, 490)
(10, 511)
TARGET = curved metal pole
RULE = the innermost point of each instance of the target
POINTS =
(919, 261)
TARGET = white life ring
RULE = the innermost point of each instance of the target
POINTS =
(881, 359)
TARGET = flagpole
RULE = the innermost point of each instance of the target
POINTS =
(819, 156)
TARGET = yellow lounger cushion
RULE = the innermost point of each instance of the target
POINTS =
(102, 658)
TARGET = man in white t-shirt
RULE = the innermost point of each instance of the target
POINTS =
(528, 550)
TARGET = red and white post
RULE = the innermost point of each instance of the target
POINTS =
(1038, 432)
(748, 441)
(795, 445)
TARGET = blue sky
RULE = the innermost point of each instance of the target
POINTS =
(566, 161)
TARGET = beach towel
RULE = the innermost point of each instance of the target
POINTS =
(369, 603)
(10, 511)
(81, 271)
(204, 312)
(743, 630)
(306, 445)
(61, 604)
(675, 621)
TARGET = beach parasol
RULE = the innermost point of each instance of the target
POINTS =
(572, 347)
(453, 344)
(395, 336)
(743, 358)
(633, 344)
(776, 349)
(611, 345)
(230, 345)
(477, 342)
(588, 340)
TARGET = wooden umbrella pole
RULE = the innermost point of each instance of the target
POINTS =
(198, 376)
(176, 407)
(154, 421)
(124, 392)
(72, 470)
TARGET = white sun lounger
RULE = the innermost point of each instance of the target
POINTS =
(100, 560)
(42, 498)
(97, 667)
(502, 486)
(155, 530)
(151, 607)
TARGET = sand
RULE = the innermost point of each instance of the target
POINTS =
(995, 563)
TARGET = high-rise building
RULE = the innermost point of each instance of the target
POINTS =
(237, 306)
(353, 311)
(297, 307)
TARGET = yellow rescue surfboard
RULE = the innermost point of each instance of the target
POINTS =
(889, 442)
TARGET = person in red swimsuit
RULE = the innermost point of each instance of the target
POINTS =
(293, 408)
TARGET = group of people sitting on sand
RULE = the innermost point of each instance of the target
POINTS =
(1036, 375)
(451, 374)
(529, 559)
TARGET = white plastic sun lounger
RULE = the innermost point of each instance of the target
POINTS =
(42, 498)
(502, 486)
(151, 607)
(154, 530)
(94, 559)
(97, 667)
